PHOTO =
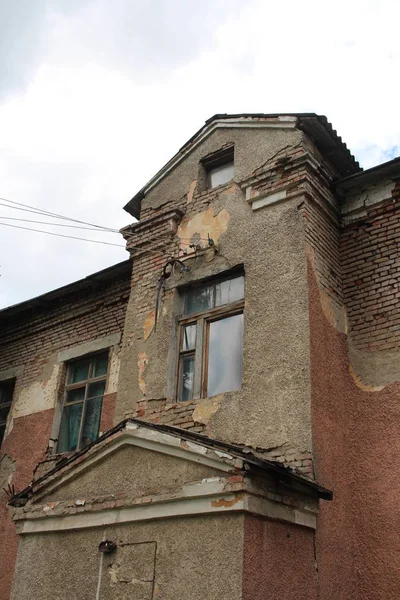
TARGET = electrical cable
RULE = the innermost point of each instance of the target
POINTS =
(56, 224)
(61, 235)
(50, 214)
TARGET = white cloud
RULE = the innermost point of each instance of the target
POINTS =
(114, 89)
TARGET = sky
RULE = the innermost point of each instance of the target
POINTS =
(97, 95)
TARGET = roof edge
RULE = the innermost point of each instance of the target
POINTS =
(323, 134)
(103, 275)
(242, 452)
(389, 168)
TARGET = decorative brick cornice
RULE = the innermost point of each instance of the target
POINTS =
(150, 233)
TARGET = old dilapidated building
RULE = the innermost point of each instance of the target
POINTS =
(174, 426)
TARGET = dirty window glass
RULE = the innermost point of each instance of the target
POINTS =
(229, 291)
(186, 378)
(220, 175)
(100, 365)
(80, 420)
(69, 429)
(198, 299)
(91, 424)
(210, 353)
(225, 355)
(189, 337)
(6, 395)
(79, 371)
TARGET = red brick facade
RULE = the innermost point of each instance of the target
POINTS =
(371, 268)
(31, 339)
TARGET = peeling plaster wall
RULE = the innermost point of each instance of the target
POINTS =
(149, 473)
(356, 435)
(30, 349)
(252, 149)
(272, 408)
(198, 558)
(355, 383)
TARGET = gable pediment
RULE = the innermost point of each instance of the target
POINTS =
(138, 462)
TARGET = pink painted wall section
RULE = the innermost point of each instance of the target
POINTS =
(278, 561)
(26, 445)
(356, 438)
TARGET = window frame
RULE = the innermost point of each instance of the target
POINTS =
(202, 320)
(80, 384)
(221, 158)
(11, 381)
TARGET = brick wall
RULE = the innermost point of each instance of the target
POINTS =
(371, 269)
(31, 339)
(75, 319)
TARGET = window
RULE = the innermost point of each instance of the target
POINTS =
(211, 339)
(220, 175)
(6, 394)
(83, 399)
(219, 167)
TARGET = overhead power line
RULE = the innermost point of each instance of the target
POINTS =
(56, 224)
(62, 235)
(51, 214)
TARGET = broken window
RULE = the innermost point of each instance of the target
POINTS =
(83, 399)
(211, 339)
(220, 175)
(6, 395)
(219, 167)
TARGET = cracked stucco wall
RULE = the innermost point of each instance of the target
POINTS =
(171, 559)
(272, 408)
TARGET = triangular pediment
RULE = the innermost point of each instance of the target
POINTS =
(138, 462)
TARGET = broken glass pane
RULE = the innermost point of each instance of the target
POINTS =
(199, 299)
(187, 377)
(189, 337)
(229, 291)
(69, 430)
(225, 355)
(91, 425)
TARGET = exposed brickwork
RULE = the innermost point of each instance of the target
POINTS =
(323, 236)
(177, 413)
(371, 270)
(32, 339)
(66, 322)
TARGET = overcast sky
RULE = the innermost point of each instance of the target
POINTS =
(96, 95)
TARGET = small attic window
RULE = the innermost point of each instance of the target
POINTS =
(219, 167)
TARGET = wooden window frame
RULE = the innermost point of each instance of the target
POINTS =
(202, 319)
(220, 158)
(80, 384)
(6, 382)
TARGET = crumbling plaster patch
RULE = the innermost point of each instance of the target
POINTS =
(372, 371)
(206, 408)
(335, 315)
(143, 361)
(113, 371)
(39, 395)
(191, 191)
(355, 206)
(7, 470)
(148, 324)
(204, 224)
